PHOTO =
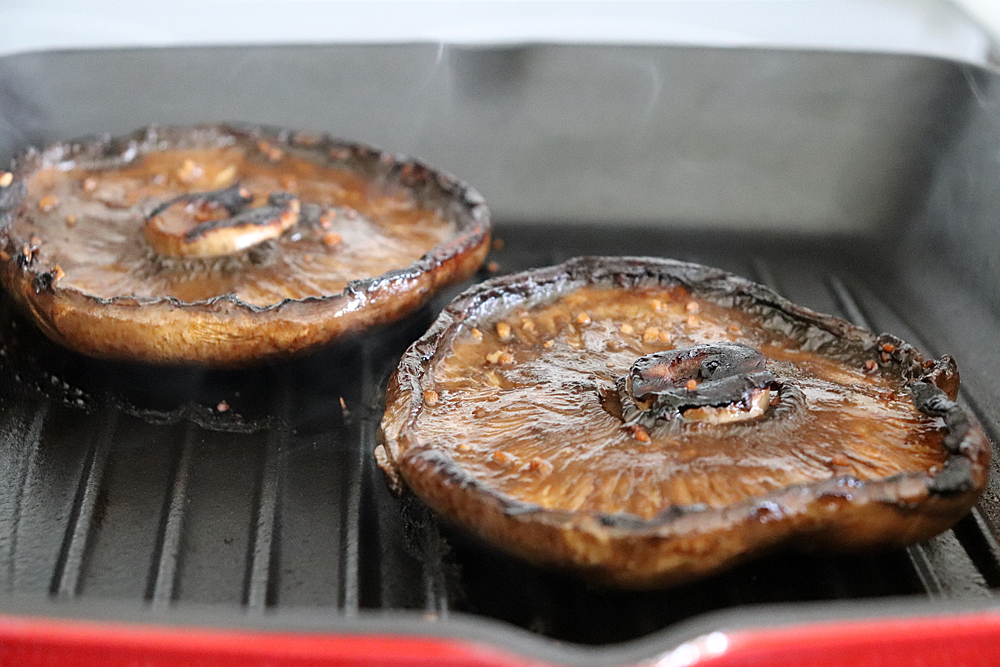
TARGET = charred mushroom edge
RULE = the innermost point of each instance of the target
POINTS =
(685, 542)
(61, 311)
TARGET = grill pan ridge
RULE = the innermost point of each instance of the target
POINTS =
(125, 494)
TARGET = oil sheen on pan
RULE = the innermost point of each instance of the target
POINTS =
(644, 422)
(227, 246)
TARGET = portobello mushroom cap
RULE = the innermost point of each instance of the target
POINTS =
(226, 246)
(644, 422)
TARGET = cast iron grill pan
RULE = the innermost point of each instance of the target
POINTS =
(128, 484)
(126, 495)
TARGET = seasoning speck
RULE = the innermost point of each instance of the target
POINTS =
(332, 239)
(70, 220)
(6, 178)
(540, 465)
(90, 183)
(504, 458)
(640, 434)
(47, 203)
(527, 325)
(273, 153)
(430, 397)
(735, 330)
(692, 306)
(57, 273)
(627, 329)
(656, 304)
(548, 344)
(498, 244)
(492, 267)
(664, 337)
(462, 447)
(888, 347)
(500, 357)
(691, 385)
(189, 172)
(476, 334)
(583, 318)
(870, 366)
(222, 406)
(503, 330)
(650, 334)
(326, 220)
(224, 176)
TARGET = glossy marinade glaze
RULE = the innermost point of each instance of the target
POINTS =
(504, 419)
(534, 425)
(89, 221)
(371, 238)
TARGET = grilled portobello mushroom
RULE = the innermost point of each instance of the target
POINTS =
(225, 246)
(644, 422)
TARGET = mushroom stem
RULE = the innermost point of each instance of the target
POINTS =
(716, 384)
(211, 224)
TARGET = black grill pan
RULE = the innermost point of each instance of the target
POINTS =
(863, 185)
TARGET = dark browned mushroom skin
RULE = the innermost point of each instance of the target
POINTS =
(644, 422)
(226, 246)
